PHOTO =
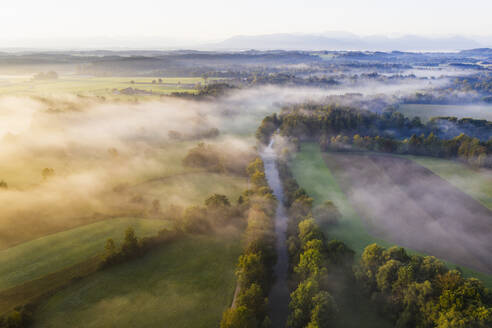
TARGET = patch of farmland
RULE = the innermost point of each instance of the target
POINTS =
(409, 205)
(36, 258)
(312, 174)
(187, 283)
(475, 182)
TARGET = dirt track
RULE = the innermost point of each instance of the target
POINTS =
(407, 204)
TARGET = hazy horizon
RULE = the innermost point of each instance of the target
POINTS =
(69, 24)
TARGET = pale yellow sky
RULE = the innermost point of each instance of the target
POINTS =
(217, 19)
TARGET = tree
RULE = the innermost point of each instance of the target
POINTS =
(253, 299)
(255, 166)
(156, 206)
(217, 201)
(110, 247)
(310, 263)
(324, 311)
(387, 275)
(250, 270)
(239, 317)
(309, 230)
(259, 179)
(301, 303)
(47, 172)
(195, 220)
(130, 245)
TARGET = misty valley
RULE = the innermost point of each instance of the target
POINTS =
(243, 189)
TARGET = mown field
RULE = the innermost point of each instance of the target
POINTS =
(322, 183)
(475, 182)
(427, 111)
(313, 175)
(187, 283)
(99, 86)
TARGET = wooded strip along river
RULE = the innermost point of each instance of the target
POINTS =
(279, 294)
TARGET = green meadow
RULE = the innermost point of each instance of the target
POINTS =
(36, 258)
(187, 283)
(99, 86)
(311, 172)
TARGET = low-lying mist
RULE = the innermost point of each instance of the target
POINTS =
(65, 158)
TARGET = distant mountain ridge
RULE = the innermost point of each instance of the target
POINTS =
(346, 41)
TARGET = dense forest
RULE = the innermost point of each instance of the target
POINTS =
(345, 129)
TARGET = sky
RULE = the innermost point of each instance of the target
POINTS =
(25, 21)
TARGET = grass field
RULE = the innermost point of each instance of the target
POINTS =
(166, 180)
(188, 283)
(322, 184)
(51, 253)
(191, 188)
(22, 174)
(313, 175)
(98, 86)
(475, 182)
(427, 111)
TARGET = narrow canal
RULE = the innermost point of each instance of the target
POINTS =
(279, 294)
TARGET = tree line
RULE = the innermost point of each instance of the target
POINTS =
(254, 270)
(212, 159)
(314, 260)
(345, 128)
(421, 291)
(462, 147)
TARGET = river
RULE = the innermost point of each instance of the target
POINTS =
(279, 294)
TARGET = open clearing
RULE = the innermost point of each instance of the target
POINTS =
(324, 183)
(188, 283)
(313, 175)
(51, 253)
(475, 182)
(425, 112)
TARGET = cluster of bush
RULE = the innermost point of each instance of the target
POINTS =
(196, 135)
(313, 260)
(213, 159)
(255, 266)
(20, 317)
(462, 147)
(418, 291)
(217, 213)
(133, 247)
(51, 75)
